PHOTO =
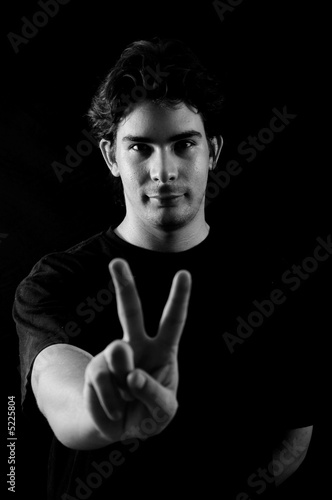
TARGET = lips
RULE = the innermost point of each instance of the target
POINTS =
(165, 193)
(167, 196)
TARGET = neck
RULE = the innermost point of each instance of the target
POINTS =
(161, 240)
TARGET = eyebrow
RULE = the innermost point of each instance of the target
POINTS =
(183, 135)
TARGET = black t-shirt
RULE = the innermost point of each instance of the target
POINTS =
(238, 390)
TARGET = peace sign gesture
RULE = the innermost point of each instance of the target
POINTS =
(137, 377)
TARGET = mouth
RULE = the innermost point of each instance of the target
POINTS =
(167, 196)
(166, 199)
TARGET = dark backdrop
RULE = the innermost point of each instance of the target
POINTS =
(270, 54)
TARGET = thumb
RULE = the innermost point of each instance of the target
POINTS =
(159, 400)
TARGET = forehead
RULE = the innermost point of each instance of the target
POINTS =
(148, 119)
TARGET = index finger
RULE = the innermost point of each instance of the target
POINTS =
(175, 311)
(128, 302)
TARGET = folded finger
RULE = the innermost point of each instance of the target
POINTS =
(120, 358)
(159, 401)
(101, 392)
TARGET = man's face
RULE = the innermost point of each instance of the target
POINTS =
(163, 158)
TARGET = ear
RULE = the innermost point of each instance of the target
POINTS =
(107, 151)
(216, 144)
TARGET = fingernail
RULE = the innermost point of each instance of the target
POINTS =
(140, 380)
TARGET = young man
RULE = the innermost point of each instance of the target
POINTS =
(134, 410)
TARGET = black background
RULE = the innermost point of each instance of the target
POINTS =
(269, 54)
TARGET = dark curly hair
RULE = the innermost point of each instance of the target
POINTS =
(164, 71)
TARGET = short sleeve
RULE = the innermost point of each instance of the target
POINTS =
(41, 311)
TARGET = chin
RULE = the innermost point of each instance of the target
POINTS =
(172, 222)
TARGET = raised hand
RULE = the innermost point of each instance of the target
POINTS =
(136, 378)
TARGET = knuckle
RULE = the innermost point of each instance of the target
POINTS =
(94, 371)
(100, 377)
(113, 346)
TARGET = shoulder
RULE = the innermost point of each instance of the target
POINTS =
(76, 257)
(59, 271)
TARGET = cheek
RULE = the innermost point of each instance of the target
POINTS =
(132, 179)
(200, 168)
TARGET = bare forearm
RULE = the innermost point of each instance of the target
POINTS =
(58, 388)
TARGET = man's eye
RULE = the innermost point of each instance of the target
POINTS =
(183, 145)
(140, 148)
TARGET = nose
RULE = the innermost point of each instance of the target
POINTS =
(163, 167)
